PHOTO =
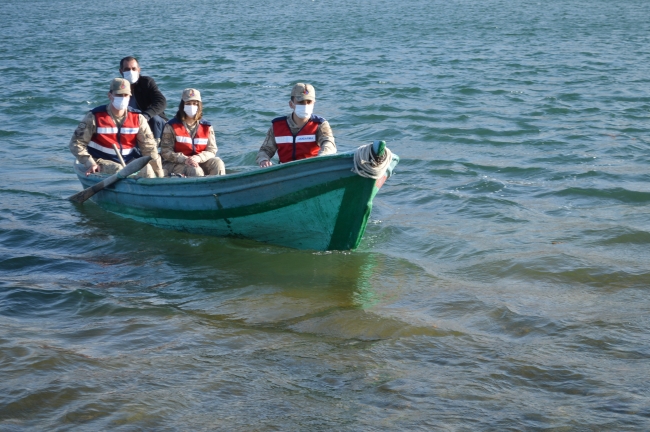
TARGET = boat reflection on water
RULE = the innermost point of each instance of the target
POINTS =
(229, 281)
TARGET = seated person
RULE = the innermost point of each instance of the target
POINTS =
(299, 135)
(115, 123)
(146, 96)
(188, 145)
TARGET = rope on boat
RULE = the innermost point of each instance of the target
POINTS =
(366, 164)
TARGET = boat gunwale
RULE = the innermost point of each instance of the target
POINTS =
(169, 181)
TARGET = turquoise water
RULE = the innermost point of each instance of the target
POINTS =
(502, 283)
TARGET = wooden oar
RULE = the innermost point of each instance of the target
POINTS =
(119, 155)
(133, 166)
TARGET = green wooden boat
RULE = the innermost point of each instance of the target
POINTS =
(318, 203)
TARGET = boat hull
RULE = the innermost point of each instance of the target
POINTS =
(317, 203)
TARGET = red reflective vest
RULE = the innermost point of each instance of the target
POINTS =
(295, 147)
(184, 142)
(107, 134)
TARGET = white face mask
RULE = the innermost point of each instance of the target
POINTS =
(120, 103)
(191, 110)
(303, 111)
(131, 76)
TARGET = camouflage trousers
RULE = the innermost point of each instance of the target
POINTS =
(110, 167)
(214, 166)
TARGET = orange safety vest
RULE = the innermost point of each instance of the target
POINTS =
(185, 143)
(300, 146)
(107, 134)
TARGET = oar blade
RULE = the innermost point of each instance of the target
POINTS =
(82, 196)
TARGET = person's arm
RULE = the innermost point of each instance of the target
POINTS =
(268, 149)
(157, 99)
(79, 142)
(148, 146)
(325, 139)
(211, 150)
(167, 142)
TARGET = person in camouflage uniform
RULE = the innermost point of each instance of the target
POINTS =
(115, 123)
(188, 145)
(300, 134)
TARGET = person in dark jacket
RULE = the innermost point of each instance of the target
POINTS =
(146, 96)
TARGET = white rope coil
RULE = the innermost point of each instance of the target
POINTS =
(366, 166)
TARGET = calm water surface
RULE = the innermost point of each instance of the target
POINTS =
(502, 283)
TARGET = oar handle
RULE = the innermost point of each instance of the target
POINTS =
(119, 154)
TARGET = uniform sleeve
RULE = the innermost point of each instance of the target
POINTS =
(80, 139)
(268, 149)
(211, 150)
(325, 139)
(148, 146)
(167, 142)
(158, 101)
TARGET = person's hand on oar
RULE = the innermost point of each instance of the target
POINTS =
(96, 168)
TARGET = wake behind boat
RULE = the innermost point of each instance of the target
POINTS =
(320, 203)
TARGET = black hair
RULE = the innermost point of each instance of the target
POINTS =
(128, 59)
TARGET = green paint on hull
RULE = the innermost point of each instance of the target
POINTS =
(279, 225)
(330, 216)
(353, 217)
